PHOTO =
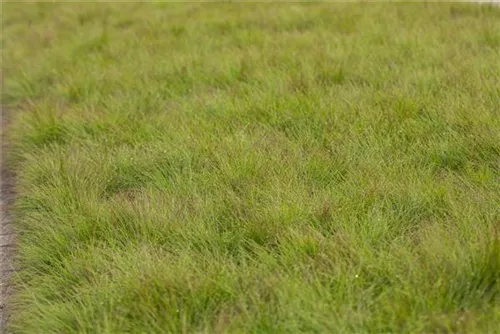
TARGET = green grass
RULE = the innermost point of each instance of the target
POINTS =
(255, 168)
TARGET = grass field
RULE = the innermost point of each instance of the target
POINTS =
(255, 168)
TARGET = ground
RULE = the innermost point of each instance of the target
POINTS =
(7, 237)
(266, 168)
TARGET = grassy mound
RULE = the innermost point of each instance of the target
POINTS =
(265, 168)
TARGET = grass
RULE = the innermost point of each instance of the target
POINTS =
(255, 168)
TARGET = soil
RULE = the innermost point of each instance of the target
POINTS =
(7, 237)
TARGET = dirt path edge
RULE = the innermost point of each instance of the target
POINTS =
(7, 237)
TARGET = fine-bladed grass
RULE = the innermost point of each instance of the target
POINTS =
(254, 168)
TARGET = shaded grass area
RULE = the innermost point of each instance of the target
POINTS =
(256, 168)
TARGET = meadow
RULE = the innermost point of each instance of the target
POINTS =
(254, 167)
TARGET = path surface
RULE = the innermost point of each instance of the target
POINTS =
(6, 235)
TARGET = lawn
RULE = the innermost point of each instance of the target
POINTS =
(254, 168)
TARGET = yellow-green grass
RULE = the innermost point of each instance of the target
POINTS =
(254, 168)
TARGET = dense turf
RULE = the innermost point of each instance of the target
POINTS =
(256, 168)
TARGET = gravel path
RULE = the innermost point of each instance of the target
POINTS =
(6, 235)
